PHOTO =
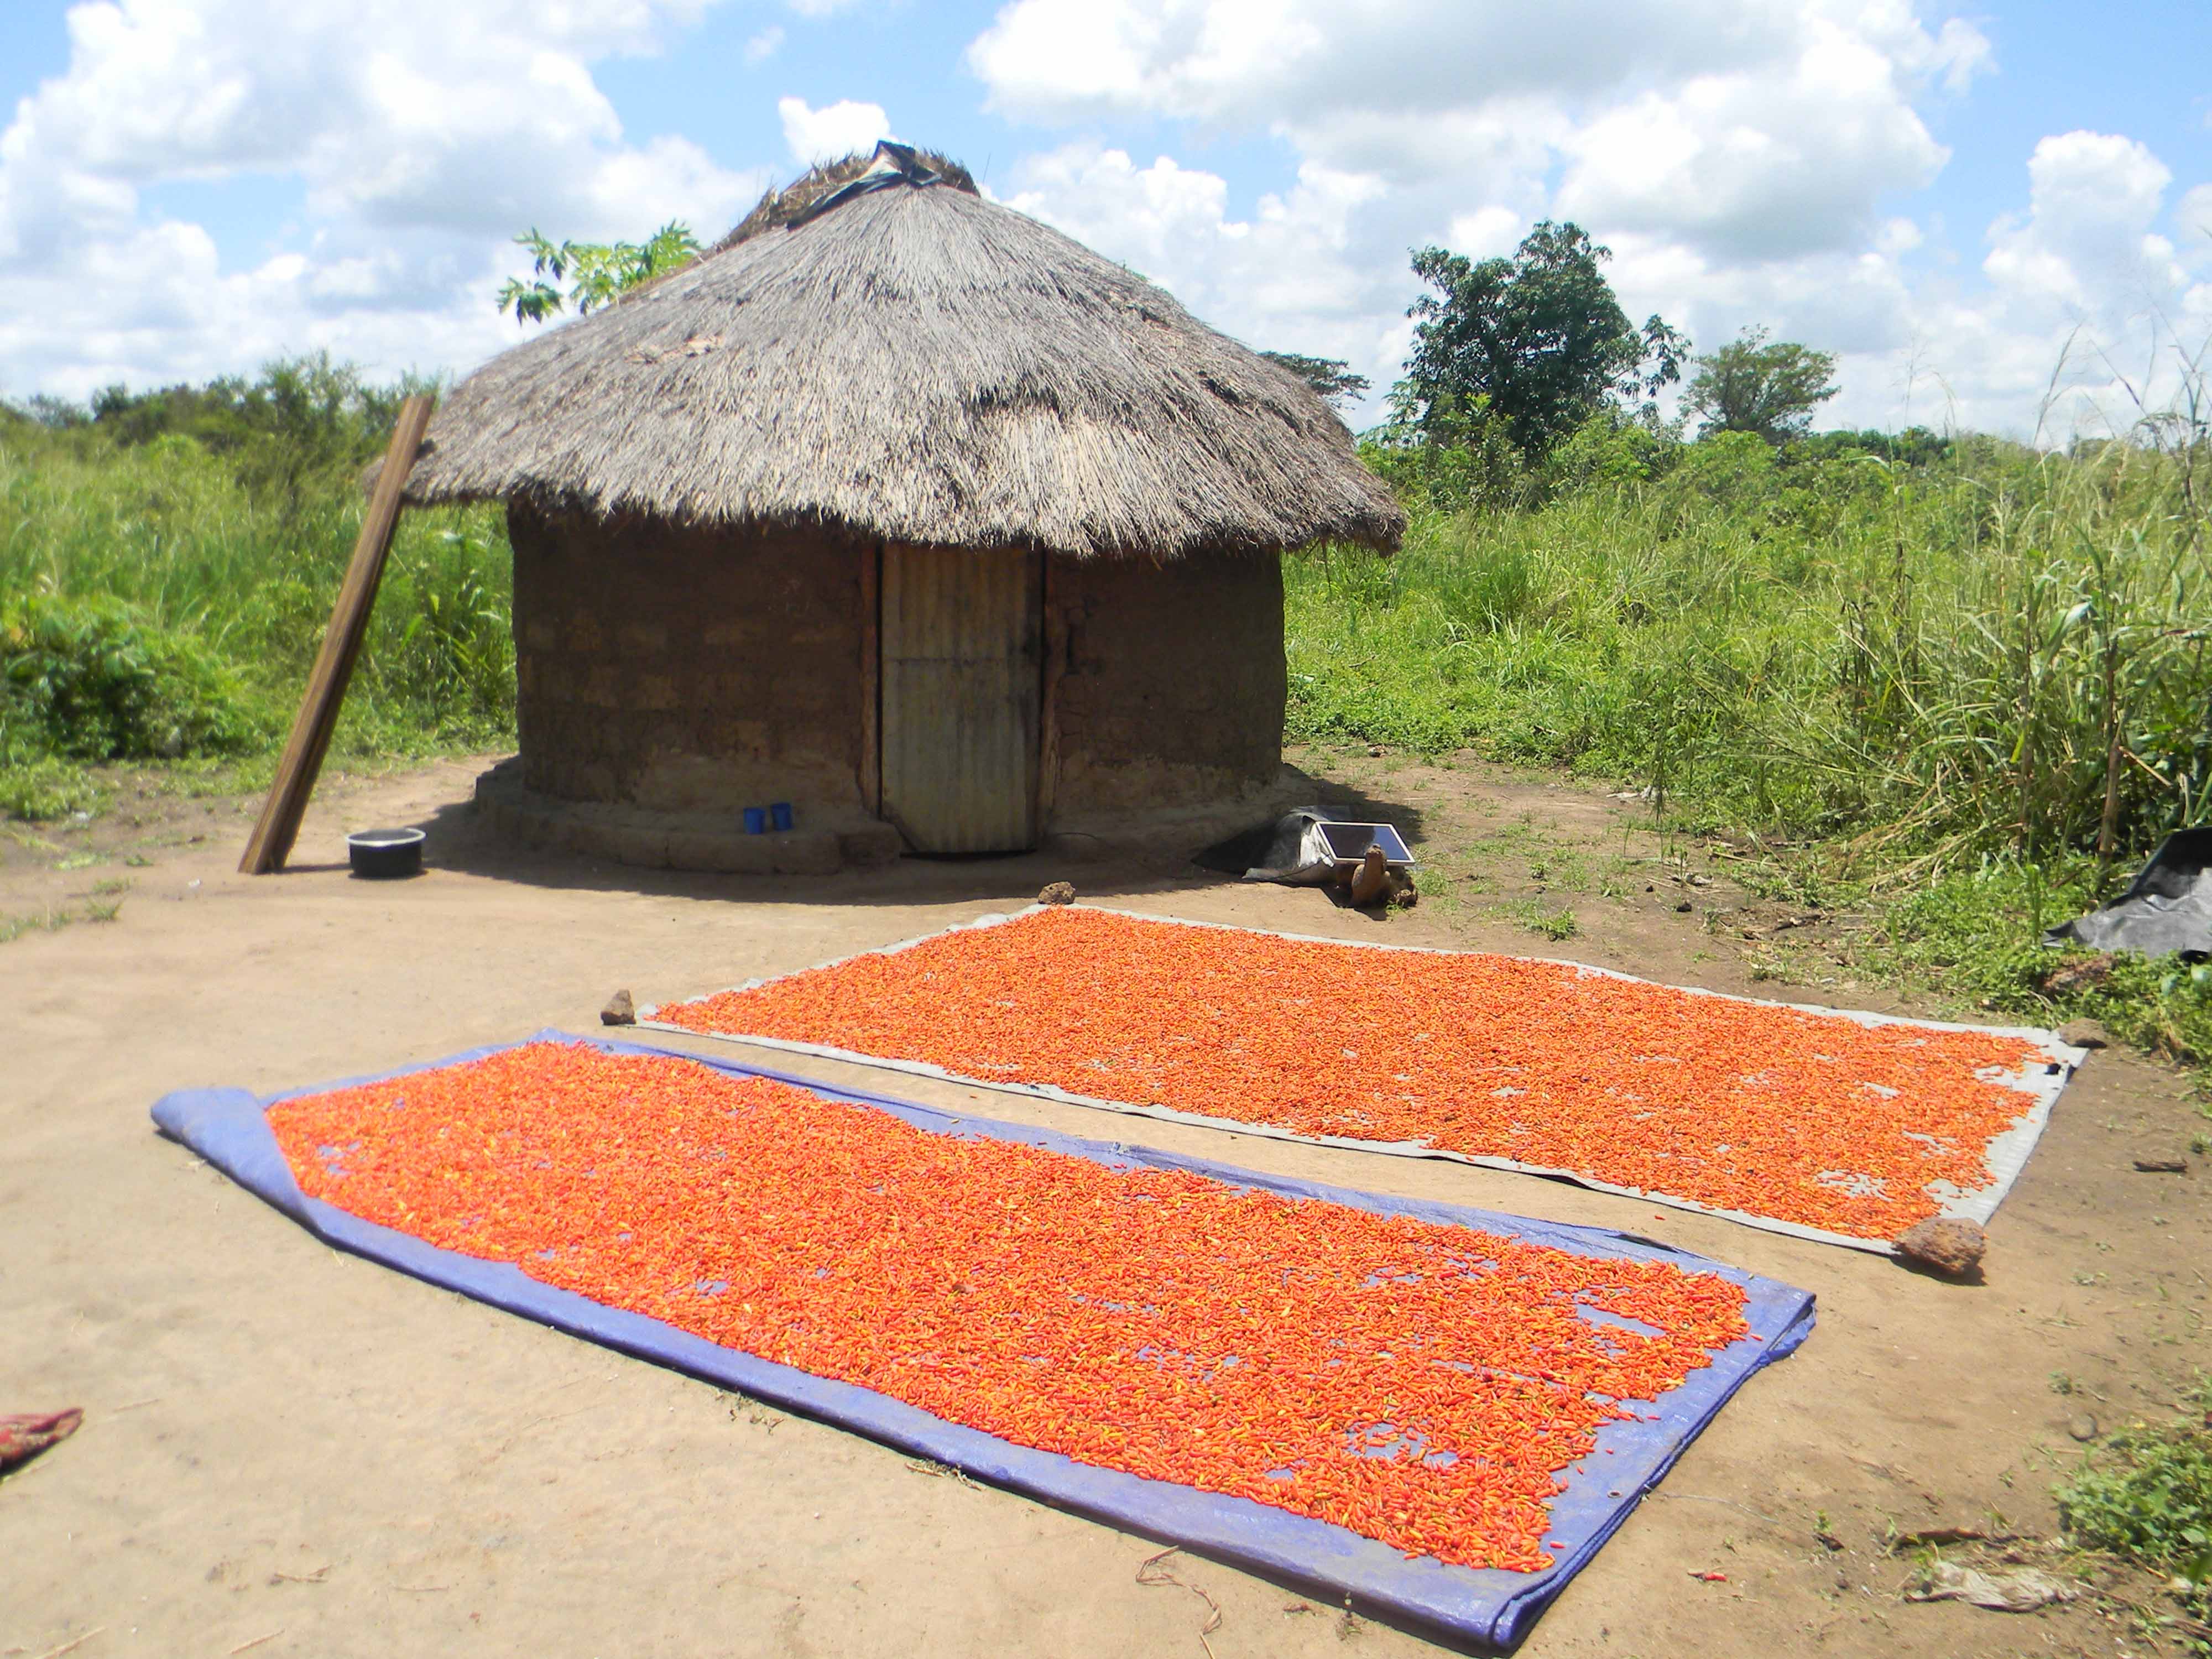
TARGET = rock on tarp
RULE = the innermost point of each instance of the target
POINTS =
(2167, 910)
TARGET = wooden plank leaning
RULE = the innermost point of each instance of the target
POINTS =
(271, 844)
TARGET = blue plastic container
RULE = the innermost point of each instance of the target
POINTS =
(755, 821)
(779, 814)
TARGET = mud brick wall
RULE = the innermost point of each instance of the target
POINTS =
(682, 668)
(1173, 684)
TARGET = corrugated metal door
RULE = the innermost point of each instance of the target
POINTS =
(963, 641)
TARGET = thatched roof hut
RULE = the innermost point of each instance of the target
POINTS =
(877, 481)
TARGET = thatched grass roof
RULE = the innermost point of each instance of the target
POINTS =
(918, 364)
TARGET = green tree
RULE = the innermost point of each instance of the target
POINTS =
(1748, 386)
(287, 432)
(1332, 377)
(1537, 341)
(596, 273)
(46, 410)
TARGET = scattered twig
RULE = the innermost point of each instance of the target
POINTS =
(256, 1642)
(1939, 1536)
(1726, 1503)
(117, 1411)
(1152, 1575)
(930, 1465)
(72, 1646)
(419, 1589)
(315, 1577)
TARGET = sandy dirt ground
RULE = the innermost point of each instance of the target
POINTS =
(290, 1451)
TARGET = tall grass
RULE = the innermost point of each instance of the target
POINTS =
(2002, 652)
(115, 558)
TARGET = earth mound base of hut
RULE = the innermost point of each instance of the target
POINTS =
(706, 840)
(711, 842)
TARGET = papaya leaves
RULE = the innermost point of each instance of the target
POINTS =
(596, 273)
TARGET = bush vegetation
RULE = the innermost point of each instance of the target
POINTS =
(168, 562)
(1955, 648)
(1961, 676)
(2146, 1494)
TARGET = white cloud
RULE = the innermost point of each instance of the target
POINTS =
(156, 306)
(2085, 243)
(1304, 61)
(1960, 52)
(1752, 126)
(387, 104)
(1322, 267)
(1749, 161)
(2081, 275)
(1488, 232)
(834, 131)
(1787, 159)
(2074, 329)
(1290, 277)
(2192, 219)
(1743, 159)
(421, 134)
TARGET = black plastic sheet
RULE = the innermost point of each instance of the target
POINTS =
(1286, 850)
(2167, 910)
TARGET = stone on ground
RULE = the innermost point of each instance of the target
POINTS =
(1948, 1246)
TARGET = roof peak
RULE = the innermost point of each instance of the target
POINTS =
(827, 184)
(892, 164)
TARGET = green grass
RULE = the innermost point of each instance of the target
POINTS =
(1965, 659)
(2146, 1494)
(159, 602)
(1555, 922)
(52, 918)
(1968, 937)
(1964, 697)
(13, 927)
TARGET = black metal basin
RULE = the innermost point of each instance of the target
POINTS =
(380, 854)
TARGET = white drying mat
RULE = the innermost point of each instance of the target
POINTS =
(2007, 1153)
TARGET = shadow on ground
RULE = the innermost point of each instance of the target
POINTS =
(459, 839)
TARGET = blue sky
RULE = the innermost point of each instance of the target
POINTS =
(1948, 199)
(2144, 71)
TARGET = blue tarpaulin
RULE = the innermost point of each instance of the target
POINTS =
(1482, 1607)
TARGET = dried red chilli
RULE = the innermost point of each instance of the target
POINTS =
(1423, 1385)
(1809, 1118)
